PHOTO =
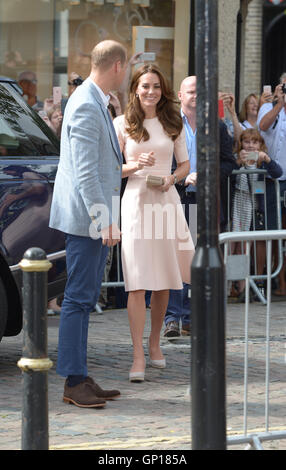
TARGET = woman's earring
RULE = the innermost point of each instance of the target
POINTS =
(136, 94)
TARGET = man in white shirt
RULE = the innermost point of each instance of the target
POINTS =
(272, 126)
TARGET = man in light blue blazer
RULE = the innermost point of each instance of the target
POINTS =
(85, 207)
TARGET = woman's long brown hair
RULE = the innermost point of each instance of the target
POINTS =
(168, 111)
(243, 111)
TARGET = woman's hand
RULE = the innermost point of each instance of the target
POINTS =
(146, 159)
(229, 101)
(168, 182)
(266, 97)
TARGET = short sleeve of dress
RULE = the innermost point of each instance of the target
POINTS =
(180, 147)
(119, 126)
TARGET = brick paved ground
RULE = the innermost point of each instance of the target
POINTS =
(156, 413)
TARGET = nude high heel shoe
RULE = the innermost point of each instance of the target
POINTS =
(137, 376)
(157, 363)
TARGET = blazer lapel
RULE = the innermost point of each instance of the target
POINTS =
(108, 120)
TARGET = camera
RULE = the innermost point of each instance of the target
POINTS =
(284, 88)
(76, 81)
(252, 156)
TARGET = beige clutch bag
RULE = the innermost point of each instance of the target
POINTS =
(152, 180)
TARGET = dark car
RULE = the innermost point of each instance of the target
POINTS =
(29, 155)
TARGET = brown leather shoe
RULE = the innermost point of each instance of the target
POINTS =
(82, 395)
(186, 330)
(100, 393)
(172, 329)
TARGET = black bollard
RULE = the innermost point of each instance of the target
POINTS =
(35, 363)
(208, 288)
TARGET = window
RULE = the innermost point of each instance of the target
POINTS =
(22, 130)
(53, 38)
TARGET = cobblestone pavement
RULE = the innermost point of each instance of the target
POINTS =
(156, 413)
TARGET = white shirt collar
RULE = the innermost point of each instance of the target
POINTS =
(105, 98)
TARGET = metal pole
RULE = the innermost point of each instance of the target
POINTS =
(35, 363)
(208, 288)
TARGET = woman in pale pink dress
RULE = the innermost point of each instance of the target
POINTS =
(157, 248)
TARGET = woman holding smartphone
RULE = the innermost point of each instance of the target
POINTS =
(157, 247)
(248, 115)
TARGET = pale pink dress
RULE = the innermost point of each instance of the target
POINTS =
(157, 248)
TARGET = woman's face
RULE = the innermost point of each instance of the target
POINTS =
(56, 119)
(149, 91)
(252, 106)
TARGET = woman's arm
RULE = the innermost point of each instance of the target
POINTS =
(229, 100)
(144, 159)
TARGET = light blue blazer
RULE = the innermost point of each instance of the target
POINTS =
(88, 179)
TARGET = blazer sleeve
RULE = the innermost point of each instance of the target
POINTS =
(85, 129)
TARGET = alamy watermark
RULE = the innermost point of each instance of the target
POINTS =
(154, 222)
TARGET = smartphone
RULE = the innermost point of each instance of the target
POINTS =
(220, 109)
(148, 57)
(57, 95)
(267, 89)
(253, 156)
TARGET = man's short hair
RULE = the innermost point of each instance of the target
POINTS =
(106, 53)
(27, 75)
(282, 78)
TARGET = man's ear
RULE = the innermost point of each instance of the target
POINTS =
(117, 66)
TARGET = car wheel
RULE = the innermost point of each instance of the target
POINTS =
(3, 309)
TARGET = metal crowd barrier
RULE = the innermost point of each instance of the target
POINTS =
(258, 188)
(118, 282)
(105, 283)
(253, 440)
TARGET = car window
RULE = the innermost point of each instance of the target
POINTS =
(22, 131)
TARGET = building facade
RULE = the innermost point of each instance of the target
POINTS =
(54, 38)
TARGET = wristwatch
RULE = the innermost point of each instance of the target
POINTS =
(175, 178)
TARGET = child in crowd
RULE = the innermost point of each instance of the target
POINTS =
(248, 209)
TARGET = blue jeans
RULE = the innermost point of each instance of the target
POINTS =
(85, 258)
(179, 307)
